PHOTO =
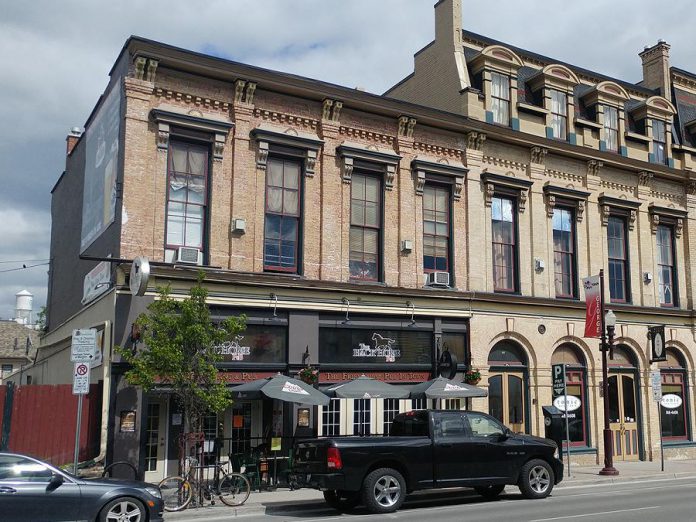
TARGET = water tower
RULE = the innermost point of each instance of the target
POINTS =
(23, 307)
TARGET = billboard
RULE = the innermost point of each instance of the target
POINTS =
(101, 168)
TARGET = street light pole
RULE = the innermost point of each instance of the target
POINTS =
(608, 320)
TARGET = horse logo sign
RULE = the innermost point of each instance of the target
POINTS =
(382, 348)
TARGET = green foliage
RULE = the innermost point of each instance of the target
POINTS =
(41, 320)
(179, 342)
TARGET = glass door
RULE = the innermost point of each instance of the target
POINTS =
(506, 399)
(155, 440)
(623, 420)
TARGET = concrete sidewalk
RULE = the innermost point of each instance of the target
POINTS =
(284, 500)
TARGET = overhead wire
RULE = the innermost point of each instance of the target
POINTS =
(25, 267)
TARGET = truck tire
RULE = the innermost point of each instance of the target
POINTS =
(490, 492)
(342, 500)
(383, 490)
(536, 479)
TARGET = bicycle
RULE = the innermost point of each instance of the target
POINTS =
(232, 489)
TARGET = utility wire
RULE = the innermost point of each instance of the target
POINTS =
(24, 261)
(22, 267)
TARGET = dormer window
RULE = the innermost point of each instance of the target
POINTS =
(552, 87)
(654, 118)
(611, 128)
(659, 141)
(500, 98)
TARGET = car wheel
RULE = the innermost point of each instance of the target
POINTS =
(342, 500)
(490, 492)
(125, 509)
(383, 490)
(536, 479)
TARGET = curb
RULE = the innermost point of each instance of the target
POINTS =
(666, 475)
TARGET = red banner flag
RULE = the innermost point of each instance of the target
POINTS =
(593, 302)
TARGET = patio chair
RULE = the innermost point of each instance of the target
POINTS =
(247, 466)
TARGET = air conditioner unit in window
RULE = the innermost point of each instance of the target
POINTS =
(439, 279)
(189, 256)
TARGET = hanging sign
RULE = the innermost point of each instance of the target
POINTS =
(657, 344)
(593, 307)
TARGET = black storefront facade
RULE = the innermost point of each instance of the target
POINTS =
(396, 342)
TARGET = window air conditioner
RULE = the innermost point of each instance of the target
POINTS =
(441, 279)
(189, 256)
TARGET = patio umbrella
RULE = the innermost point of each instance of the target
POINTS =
(441, 388)
(282, 388)
(365, 388)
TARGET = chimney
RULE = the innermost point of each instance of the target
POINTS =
(656, 68)
(448, 35)
(72, 139)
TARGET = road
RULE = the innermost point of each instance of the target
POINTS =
(672, 500)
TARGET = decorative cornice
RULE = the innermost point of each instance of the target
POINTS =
(244, 92)
(690, 187)
(576, 197)
(644, 178)
(505, 163)
(494, 183)
(267, 136)
(610, 205)
(422, 167)
(387, 161)
(406, 126)
(538, 155)
(331, 110)
(189, 99)
(474, 140)
(594, 167)
(145, 68)
(165, 120)
(287, 119)
(437, 150)
(352, 132)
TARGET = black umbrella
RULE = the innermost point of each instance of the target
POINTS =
(280, 387)
(441, 388)
(365, 388)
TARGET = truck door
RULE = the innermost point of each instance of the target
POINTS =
(451, 450)
(495, 455)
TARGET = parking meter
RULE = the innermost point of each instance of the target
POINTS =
(554, 424)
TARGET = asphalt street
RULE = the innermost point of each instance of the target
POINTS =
(664, 500)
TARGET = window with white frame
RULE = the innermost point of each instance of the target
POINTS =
(419, 404)
(559, 114)
(391, 410)
(666, 273)
(611, 128)
(659, 142)
(500, 98)
(452, 404)
(362, 411)
(331, 418)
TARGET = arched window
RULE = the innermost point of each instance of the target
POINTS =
(623, 358)
(507, 385)
(576, 382)
(674, 407)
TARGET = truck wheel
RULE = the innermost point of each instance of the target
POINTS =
(490, 492)
(342, 500)
(536, 479)
(384, 490)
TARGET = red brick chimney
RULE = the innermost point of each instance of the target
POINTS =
(656, 68)
(72, 139)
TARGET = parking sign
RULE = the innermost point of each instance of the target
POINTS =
(81, 379)
(84, 345)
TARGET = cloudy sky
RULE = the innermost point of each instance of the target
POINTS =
(55, 57)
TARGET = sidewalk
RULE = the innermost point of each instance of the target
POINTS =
(284, 500)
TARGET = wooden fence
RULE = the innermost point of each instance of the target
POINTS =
(39, 420)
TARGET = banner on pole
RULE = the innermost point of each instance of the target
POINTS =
(593, 303)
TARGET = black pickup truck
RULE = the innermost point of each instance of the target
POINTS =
(426, 450)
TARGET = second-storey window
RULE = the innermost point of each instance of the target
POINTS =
(500, 98)
(564, 251)
(659, 141)
(436, 228)
(504, 244)
(665, 266)
(365, 227)
(618, 259)
(282, 215)
(611, 128)
(559, 114)
(187, 195)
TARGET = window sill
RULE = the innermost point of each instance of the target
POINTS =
(363, 282)
(587, 123)
(534, 109)
(637, 137)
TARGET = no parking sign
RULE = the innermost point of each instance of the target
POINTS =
(81, 379)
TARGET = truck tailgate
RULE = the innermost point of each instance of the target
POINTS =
(310, 456)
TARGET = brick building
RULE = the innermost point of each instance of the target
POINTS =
(458, 211)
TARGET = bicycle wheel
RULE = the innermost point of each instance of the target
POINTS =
(234, 489)
(176, 493)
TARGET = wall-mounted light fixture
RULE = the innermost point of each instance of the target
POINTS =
(347, 303)
(410, 305)
(274, 301)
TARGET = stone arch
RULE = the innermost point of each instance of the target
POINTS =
(582, 346)
(636, 349)
(683, 351)
(563, 73)
(500, 53)
(612, 89)
(524, 343)
(662, 104)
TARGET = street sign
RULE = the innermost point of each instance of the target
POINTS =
(558, 375)
(656, 383)
(84, 345)
(81, 379)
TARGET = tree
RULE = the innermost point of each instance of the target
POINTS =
(180, 350)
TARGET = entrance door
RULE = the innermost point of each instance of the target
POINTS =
(155, 440)
(623, 419)
(506, 394)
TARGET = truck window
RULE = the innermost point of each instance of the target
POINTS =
(410, 425)
(482, 426)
